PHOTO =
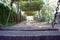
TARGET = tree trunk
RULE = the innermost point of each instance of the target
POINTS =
(18, 16)
(10, 13)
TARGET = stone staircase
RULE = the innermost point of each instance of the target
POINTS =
(29, 35)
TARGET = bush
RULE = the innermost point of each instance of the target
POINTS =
(4, 12)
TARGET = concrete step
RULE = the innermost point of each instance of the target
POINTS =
(30, 38)
(28, 29)
(29, 35)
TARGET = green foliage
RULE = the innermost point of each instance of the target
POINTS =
(33, 6)
(12, 18)
(29, 13)
(4, 11)
(47, 13)
(29, 0)
(4, 14)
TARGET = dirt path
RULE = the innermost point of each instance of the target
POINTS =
(30, 23)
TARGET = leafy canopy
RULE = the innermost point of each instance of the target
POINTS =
(32, 6)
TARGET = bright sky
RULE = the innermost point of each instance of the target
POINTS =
(52, 3)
